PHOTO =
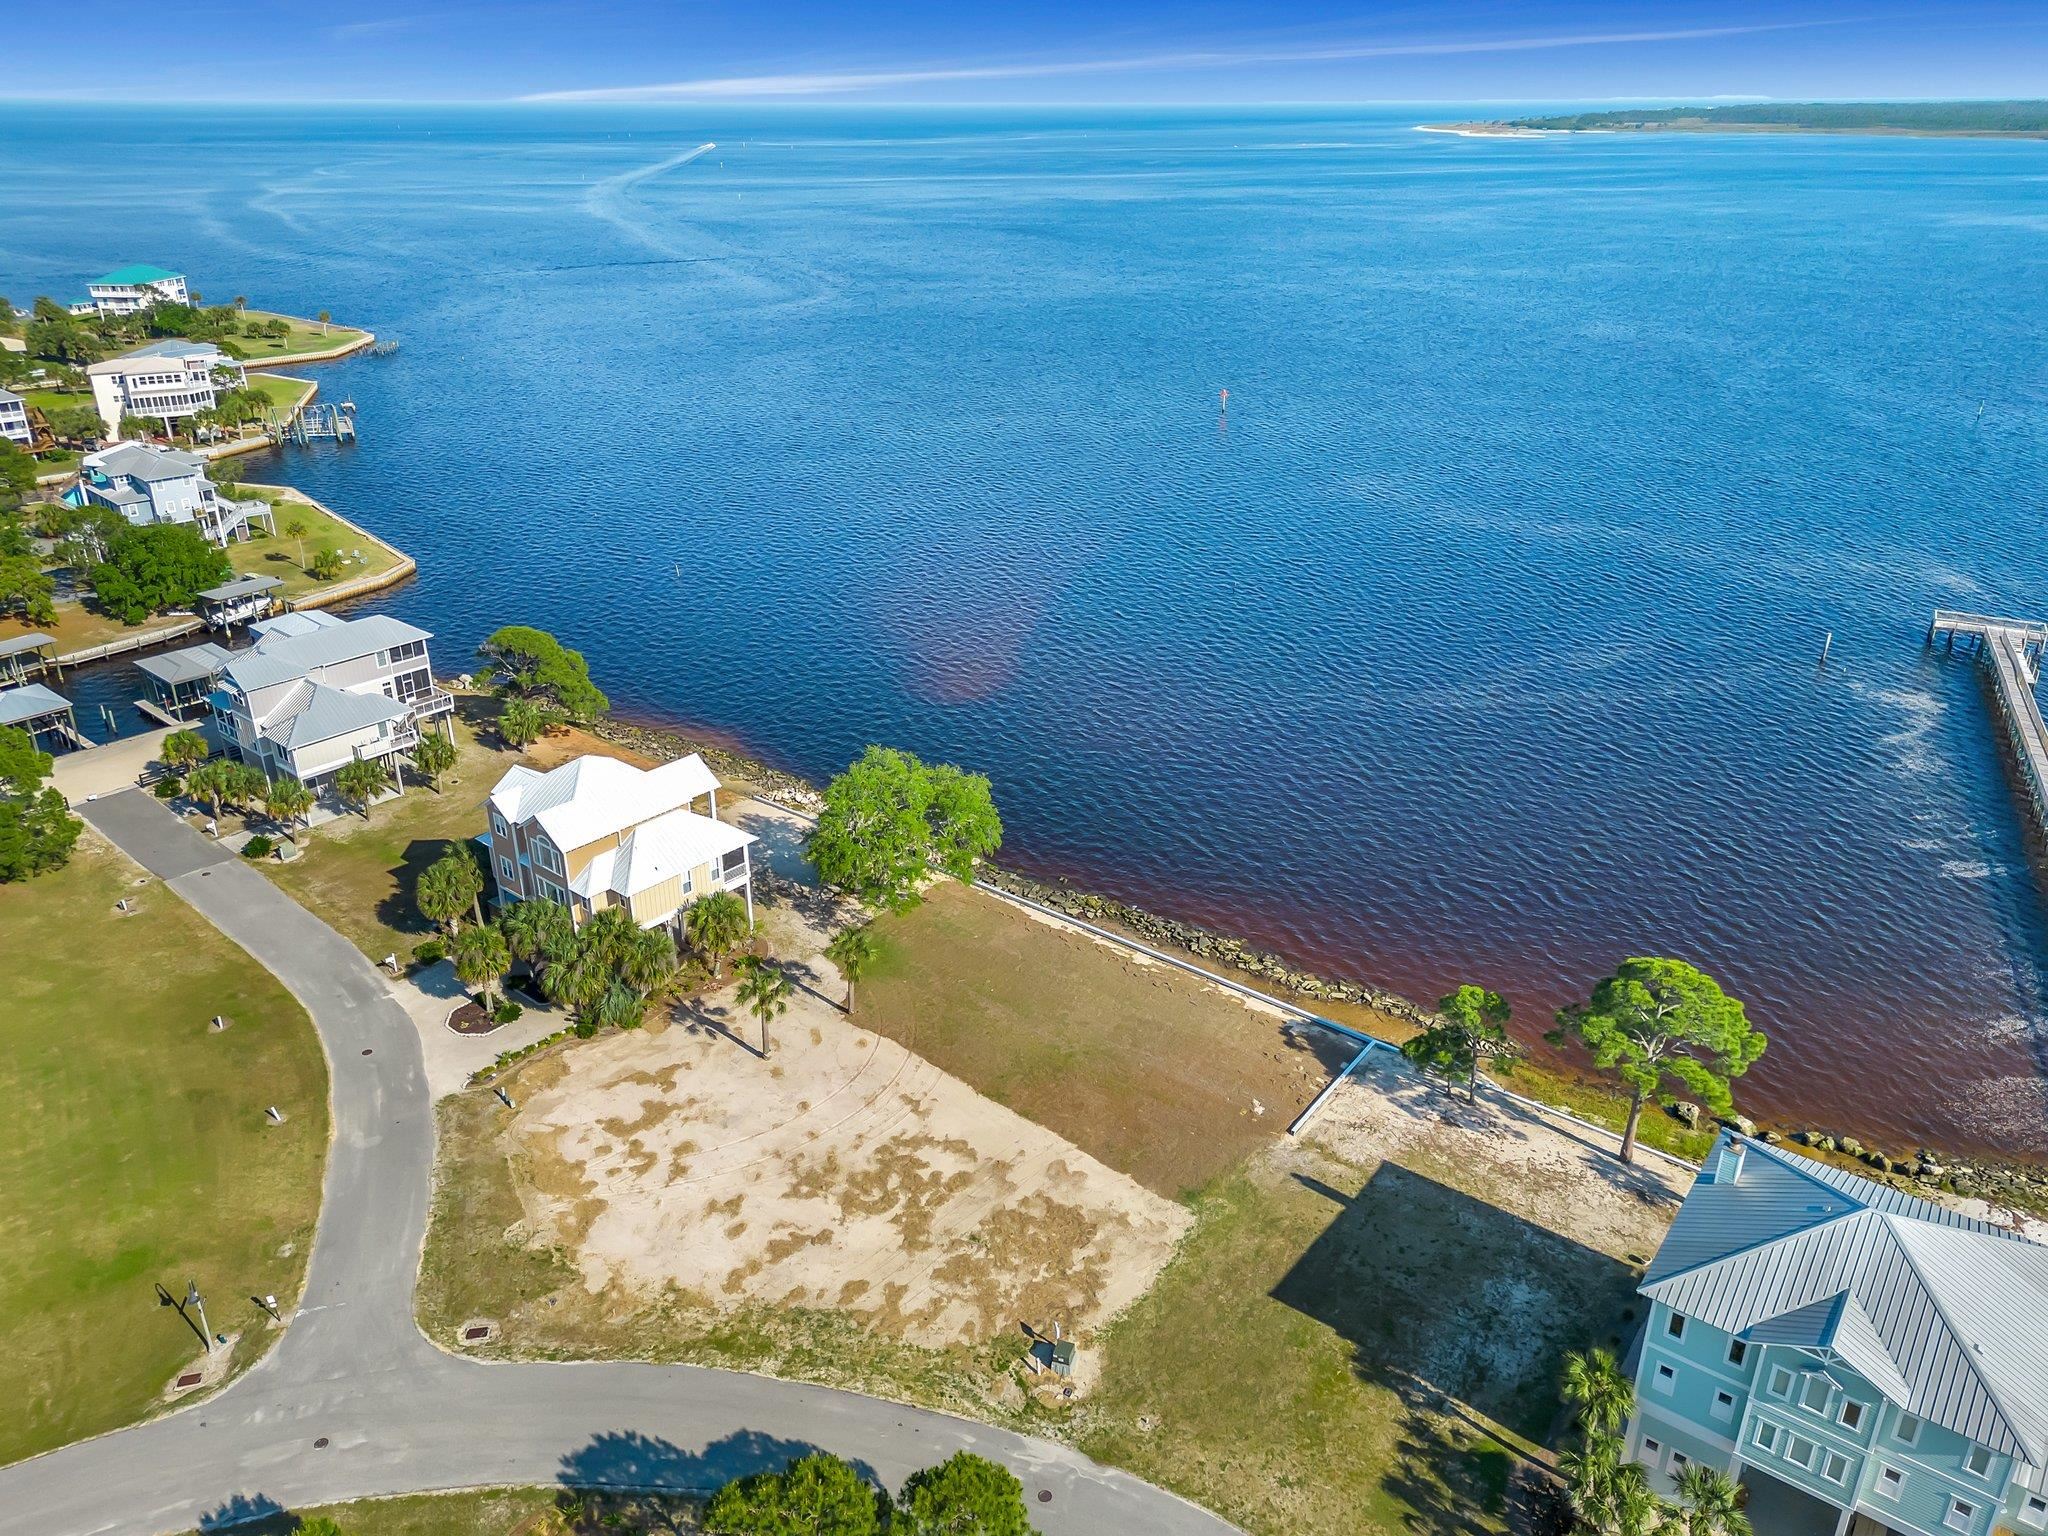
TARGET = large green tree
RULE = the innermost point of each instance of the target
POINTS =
(1470, 1027)
(528, 663)
(815, 1495)
(155, 567)
(890, 821)
(26, 589)
(17, 474)
(1659, 1020)
(965, 1495)
(37, 829)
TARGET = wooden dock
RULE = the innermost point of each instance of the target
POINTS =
(2011, 651)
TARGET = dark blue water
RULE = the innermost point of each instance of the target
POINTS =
(1477, 642)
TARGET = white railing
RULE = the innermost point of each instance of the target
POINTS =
(435, 701)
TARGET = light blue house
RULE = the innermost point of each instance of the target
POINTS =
(1861, 1360)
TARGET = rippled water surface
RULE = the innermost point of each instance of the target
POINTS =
(1478, 641)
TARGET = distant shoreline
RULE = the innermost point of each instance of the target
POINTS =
(1515, 131)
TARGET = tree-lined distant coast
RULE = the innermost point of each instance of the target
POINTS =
(1977, 119)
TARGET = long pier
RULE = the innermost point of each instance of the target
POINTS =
(2011, 650)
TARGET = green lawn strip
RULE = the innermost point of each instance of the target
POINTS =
(497, 1512)
(140, 1154)
(281, 390)
(477, 1266)
(286, 557)
(305, 336)
(1150, 1069)
(1343, 1349)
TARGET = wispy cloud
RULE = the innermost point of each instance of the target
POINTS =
(828, 83)
(383, 26)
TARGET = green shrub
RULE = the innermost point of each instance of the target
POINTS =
(507, 1011)
(258, 847)
(429, 952)
(169, 787)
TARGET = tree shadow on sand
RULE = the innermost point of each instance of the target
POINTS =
(251, 1514)
(1463, 1312)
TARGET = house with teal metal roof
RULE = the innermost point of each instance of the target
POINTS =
(1861, 1360)
(125, 290)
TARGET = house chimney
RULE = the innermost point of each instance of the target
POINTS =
(1728, 1159)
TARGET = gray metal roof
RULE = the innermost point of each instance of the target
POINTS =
(15, 645)
(241, 586)
(31, 701)
(196, 663)
(1946, 1315)
(142, 461)
(282, 658)
(9, 397)
(313, 712)
(172, 346)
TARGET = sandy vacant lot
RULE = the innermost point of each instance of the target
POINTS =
(842, 1172)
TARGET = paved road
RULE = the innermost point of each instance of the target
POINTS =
(354, 1401)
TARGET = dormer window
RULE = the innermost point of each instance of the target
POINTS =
(1978, 1461)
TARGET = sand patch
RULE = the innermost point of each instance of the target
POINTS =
(845, 1172)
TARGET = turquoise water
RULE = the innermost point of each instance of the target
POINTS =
(1477, 641)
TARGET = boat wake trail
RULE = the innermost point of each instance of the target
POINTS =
(611, 199)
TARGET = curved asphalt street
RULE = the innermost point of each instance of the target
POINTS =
(354, 1401)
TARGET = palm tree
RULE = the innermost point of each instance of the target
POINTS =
(1596, 1387)
(449, 887)
(287, 800)
(434, 756)
(185, 750)
(481, 957)
(716, 925)
(361, 782)
(296, 530)
(1590, 1476)
(213, 783)
(853, 951)
(322, 317)
(1710, 1503)
(1637, 1509)
(764, 991)
(538, 931)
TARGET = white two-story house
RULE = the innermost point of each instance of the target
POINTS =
(164, 381)
(147, 484)
(14, 422)
(129, 289)
(316, 692)
(597, 833)
(1861, 1360)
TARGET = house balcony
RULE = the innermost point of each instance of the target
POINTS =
(430, 705)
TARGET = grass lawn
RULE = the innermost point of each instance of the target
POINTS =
(281, 391)
(358, 875)
(497, 1512)
(140, 1154)
(1155, 1072)
(287, 557)
(305, 336)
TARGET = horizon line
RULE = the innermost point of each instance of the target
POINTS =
(545, 100)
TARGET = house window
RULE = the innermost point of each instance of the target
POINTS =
(1724, 1406)
(1666, 1379)
(1675, 1325)
(553, 892)
(1781, 1382)
(1651, 1448)
(1679, 1462)
(1766, 1435)
(1978, 1461)
(1801, 1451)
(1850, 1414)
(1737, 1352)
(505, 865)
(1836, 1468)
(2035, 1510)
(1961, 1515)
(1815, 1397)
(1891, 1482)
(1906, 1429)
(545, 856)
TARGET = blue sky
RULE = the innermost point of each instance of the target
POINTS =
(1100, 51)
